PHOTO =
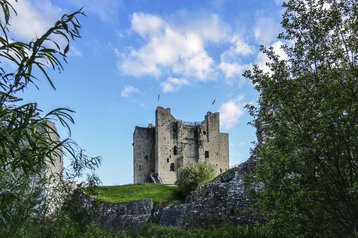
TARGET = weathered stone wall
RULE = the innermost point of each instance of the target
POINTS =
(189, 145)
(143, 153)
(55, 163)
(214, 147)
(132, 215)
(178, 143)
(53, 173)
(223, 162)
(223, 202)
(165, 140)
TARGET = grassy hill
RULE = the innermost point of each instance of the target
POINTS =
(115, 194)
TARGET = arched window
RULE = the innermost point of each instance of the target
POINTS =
(172, 168)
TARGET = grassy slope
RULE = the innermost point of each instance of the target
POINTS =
(131, 192)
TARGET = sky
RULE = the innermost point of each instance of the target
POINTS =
(190, 52)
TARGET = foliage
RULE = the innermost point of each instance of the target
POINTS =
(114, 194)
(172, 232)
(27, 140)
(93, 182)
(65, 227)
(306, 121)
(191, 175)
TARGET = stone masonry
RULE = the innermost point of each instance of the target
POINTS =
(53, 172)
(161, 149)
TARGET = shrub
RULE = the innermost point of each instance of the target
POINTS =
(192, 175)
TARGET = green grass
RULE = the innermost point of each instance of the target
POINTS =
(115, 194)
(67, 228)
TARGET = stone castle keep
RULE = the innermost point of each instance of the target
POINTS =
(158, 151)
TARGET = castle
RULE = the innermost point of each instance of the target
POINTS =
(158, 151)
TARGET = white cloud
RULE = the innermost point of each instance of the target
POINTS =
(231, 70)
(230, 65)
(231, 112)
(147, 25)
(167, 50)
(173, 84)
(129, 90)
(266, 30)
(262, 58)
(240, 47)
(32, 20)
(209, 27)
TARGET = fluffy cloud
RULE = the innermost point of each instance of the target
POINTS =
(33, 19)
(240, 47)
(266, 30)
(167, 50)
(177, 49)
(231, 112)
(209, 27)
(30, 22)
(262, 58)
(229, 59)
(173, 84)
(231, 70)
(129, 90)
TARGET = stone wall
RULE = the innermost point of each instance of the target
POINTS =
(223, 202)
(214, 145)
(54, 196)
(178, 143)
(166, 139)
(132, 215)
(143, 153)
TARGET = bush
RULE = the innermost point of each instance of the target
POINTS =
(192, 175)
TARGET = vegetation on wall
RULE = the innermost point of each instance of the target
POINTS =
(25, 134)
(191, 175)
(306, 121)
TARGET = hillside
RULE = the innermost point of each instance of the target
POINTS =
(132, 192)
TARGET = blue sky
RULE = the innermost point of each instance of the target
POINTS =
(190, 52)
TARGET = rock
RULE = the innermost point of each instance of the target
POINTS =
(223, 202)
(173, 215)
(129, 215)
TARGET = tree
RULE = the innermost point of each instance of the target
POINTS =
(26, 141)
(306, 121)
(191, 175)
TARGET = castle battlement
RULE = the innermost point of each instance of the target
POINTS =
(171, 143)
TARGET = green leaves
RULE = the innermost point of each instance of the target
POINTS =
(307, 121)
(29, 143)
(192, 175)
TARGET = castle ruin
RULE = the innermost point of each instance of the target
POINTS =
(158, 151)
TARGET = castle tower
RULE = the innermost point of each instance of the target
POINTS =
(171, 143)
